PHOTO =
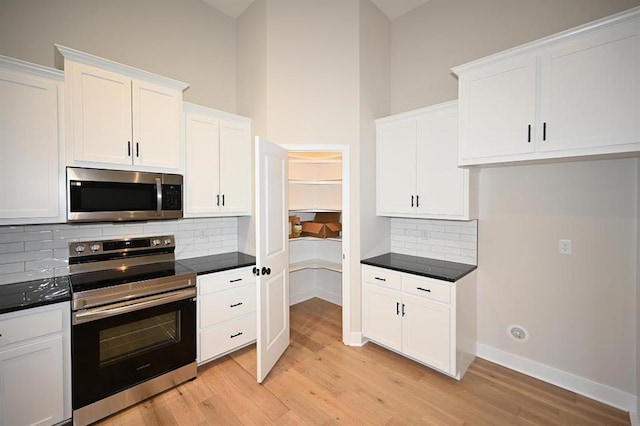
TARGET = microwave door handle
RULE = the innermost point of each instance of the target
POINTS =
(159, 197)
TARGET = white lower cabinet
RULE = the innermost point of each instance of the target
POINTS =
(35, 366)
(226, 312)
(428, 320)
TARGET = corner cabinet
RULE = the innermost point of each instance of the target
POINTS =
(118, 116)
(35, 366)
(32, 149)
(430, 321)
(417, 172)
(226, 312)
(569, 95)
(218, 166)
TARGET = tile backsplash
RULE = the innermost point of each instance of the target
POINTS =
(455, 241)
(41, 251)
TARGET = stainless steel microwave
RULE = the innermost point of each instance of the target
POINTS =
(98, 195)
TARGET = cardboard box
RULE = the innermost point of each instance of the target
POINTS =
(325, 225)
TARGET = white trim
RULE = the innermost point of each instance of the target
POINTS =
(106, 64)
(188, 107)
(18, 65)
(346, 227)
(635, 421)
(598, 391)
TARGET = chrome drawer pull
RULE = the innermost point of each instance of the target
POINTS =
(424, 289)
(235, 304)
(236, 335)
(379, 279)
(236, 280)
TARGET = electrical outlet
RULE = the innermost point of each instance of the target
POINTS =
(565, 246)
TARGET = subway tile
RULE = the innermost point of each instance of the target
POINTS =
(45, 264)
(11, 229)
(461, 259)
(25, 256)
(10, 268)
(77, 233)
(446, 250)
(443, 236)
(23, 276)
(12, 247)
(25, 236)
(41, 245)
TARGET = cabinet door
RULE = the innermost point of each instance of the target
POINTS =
(441, 185)
(426, 332)
(381, 320)
(396, 167)
(156, 125)
(31, 144)
(235, 168)
(31, 383)
(201, 167)
(100, 118)
(497, 109)
(590, 93)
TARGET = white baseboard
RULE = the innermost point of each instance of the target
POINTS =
(336, 299)
(635, 421)
(603, 393)
(301, 297)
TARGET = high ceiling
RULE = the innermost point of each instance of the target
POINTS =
(391, 8)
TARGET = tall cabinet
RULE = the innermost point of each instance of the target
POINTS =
(315, 185)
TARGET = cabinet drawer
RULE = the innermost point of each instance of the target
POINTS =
(427, 287)
(218, 281)
(228, 304)
(382, 277)
(28, 325)
(227, 336)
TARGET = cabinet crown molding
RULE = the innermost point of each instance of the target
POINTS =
(533, 47)
(444, 106)
(96, 61)
(188, 107)
(28, 67)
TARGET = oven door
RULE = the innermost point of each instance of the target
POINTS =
(119, 346)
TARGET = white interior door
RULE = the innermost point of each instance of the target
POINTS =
(272, 255)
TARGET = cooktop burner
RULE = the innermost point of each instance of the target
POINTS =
(125, 275)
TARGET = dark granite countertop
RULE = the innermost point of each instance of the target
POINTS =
(218, 262)
(31, 294)
(424, 266)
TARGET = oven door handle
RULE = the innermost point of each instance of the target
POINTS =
(131, 306)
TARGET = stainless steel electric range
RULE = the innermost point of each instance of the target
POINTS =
(133, 323)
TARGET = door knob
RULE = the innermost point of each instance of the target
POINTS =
(256, 271)
(266, 271)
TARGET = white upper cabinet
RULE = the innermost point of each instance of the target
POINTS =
(417, 166)
(568, 95)
(121, 117)
(32, 148)
(218, 169)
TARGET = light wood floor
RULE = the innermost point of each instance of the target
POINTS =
(320, 381)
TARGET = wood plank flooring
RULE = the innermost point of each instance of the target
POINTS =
(321, 381)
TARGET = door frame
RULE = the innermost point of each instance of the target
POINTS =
(346, 227)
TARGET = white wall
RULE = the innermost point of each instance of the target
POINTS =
(186, 40)
(579, 309)
(374, 75)
(428, 41)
